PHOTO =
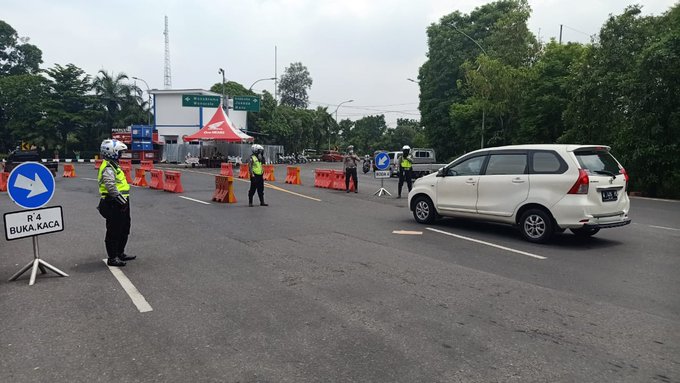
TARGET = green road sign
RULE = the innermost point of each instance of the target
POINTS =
(247, 103)
(198, 100)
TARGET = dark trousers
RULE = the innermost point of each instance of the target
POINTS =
(405, 175)
(256, 184)
(351, 172)
(117, 226)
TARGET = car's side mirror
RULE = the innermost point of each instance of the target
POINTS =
(441, 172)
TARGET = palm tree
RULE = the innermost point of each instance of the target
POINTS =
(120, 100)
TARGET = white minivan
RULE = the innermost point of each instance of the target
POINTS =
(540, 188)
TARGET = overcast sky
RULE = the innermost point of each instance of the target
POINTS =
(354, 49)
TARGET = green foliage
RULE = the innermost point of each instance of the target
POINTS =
(501, 27)
(231, 89)
(366, 133)
(17, 56)
(21, 103)
(293, 86)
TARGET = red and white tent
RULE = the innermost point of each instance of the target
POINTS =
(220, 128)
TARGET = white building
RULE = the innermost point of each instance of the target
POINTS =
(174, 121)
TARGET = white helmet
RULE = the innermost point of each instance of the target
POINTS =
(111, 149)
(406, 147)
(257, 148)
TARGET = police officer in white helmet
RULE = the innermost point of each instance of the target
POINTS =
(405, 163)
(256, 170)
(114, 204)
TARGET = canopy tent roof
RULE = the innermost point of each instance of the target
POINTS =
(220, 128)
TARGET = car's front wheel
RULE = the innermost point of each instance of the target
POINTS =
(536, 226)
(585, 232)
(423, 210)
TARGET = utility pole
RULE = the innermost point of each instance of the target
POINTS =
(148, 92)
(276, 75)
(225, 102)
(561, 25)
(167, 78)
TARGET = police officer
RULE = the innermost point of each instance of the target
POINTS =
(405, 162)
(256, 175)
(114, 204)
(350, 162)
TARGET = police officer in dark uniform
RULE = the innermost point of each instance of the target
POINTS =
(405, 162)
(256, 170)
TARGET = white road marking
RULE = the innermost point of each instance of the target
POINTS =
(137, 298)
(407, 232)
(195, 200)
(89, 179)
(656, 199)
(664, 227)
(487, 243)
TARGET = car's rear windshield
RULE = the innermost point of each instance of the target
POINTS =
(596, 161)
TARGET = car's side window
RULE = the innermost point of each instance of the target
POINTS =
(507, 164)
(547, 163)
(469, 167)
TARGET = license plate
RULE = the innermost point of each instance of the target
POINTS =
(610, 195)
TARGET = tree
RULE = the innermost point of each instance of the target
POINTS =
(118, 100)
(500, 29)
(293, 86)
(231, 88)
(366, 133)
(407, 132)
(21, 109)
(67, 102)
(17, 56)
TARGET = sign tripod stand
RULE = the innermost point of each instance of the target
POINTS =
(382, 191)
(31, 186)
(382, 163)
(36, 264)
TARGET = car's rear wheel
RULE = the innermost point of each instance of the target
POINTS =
(585, 232)
(536, 226)
(423, 210)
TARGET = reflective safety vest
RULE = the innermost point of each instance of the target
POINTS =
(257, 166)
(121, 181)
(405, 163)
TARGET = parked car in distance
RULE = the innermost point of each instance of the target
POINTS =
(542, 189)
(424, 162)
(18, 156)
(331, 156)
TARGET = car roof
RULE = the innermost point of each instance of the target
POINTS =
(560, 147)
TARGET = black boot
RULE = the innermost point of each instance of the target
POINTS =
(115, 262)
(125, 257)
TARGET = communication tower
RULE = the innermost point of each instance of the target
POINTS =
(167, 80)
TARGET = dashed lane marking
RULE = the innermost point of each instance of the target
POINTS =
(487, 244)
(89, 179)
(664, 228)
(407, 232)
(194, 200)
(137, 298)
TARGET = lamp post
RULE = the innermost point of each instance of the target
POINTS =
(413, 81)
(224, 98)
(336, 121)
(483, 107)
(262, 79)
(149, 95)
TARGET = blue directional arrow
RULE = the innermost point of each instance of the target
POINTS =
(31, 185)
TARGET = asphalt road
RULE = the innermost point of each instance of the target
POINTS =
(317, 288)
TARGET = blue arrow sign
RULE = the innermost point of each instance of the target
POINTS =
(30, 185)
(382, 161)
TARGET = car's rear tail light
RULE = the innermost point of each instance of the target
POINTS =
(582, 183)
(625, 174)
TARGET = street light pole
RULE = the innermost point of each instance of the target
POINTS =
(336, 121)
(148, 93)
(224, 98)
(483, 107)
(262, 79)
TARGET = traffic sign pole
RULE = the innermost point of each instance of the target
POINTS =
(382, 162)
(31, 186)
